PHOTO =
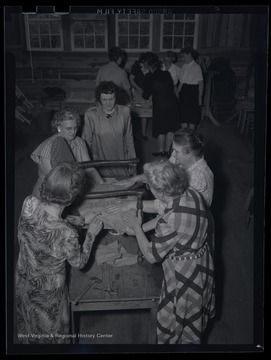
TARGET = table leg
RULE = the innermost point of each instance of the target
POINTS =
(153, 320)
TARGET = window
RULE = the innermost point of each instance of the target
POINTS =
(179, 31)
(134, 32)
(43, 32)
(89, 32)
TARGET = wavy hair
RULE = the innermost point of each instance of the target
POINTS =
(105, 87)
(163, 176)
(190, 141)
(189, 50)
(62, 184)
(65, 114)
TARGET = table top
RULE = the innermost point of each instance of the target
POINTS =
(137, 281)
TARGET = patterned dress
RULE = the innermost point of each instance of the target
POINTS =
(187, 298)
(46, 242)
(77, 145)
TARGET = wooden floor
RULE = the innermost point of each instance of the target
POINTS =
(231, 157)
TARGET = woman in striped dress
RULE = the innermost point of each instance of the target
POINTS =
(180, 242)
(63, 146)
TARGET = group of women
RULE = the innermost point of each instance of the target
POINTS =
(181, 190)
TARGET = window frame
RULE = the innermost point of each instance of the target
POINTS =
(51, 49)
(74, 49)
(135, 50)
(195, 37)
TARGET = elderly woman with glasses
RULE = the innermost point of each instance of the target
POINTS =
(180, 243)
(64, 145)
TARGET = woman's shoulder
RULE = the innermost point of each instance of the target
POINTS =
(123, 109)
(43, 148)
(92, 109)
(29, 206)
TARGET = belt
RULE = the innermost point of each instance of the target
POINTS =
(197, 255)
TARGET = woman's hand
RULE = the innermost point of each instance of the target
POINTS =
(121, 205)
(95, 225)
(131, 221)
(76, 220)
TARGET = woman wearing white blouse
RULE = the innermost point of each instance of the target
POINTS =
(190, 89)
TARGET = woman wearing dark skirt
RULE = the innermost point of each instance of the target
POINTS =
(166, 113)
(190, 89)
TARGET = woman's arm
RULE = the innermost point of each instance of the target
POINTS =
(131, 180)
(78, 255)
(134, 223)
(45, 164)
(134, 85)
(150, 225)
(128, 135)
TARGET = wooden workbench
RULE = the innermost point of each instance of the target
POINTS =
(134, 288)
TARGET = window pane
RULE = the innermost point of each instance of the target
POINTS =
(144, 28)
(44, 27)
(134, 42)
(144, 42)
(33, 28)
(123, 27)
(179, 16)
(178, 28)
(178, 42)
(99, 27)
(190, 16)
(45, 41)
(167, 42)
(78, 27)
(55, 41)
(168, 28)
(134, 17)
(78, 41)
(189, 28)
(144, 16)
(134, 28)
(89, 27)
(188, 41)
(122, 16)
(100, 42)
(89, 41)
(168, 16)
(123, 42)
(55, 28)
(34, 41)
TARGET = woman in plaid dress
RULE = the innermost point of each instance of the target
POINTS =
(180, 243)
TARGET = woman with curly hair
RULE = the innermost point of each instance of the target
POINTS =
(108, 131)
(47, 243)
(180, 243)
(64, 145)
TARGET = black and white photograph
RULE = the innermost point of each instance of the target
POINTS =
(135, 168)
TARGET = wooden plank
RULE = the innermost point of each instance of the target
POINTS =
(223, 31)
(231, 30)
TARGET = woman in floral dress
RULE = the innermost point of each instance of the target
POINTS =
(47, 242)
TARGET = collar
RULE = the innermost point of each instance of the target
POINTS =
(196, 163)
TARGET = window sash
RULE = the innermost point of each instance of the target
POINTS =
(90, 32)
(181, 37)
(134, 24)
(44, 32)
